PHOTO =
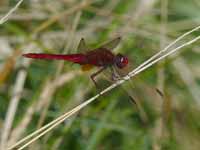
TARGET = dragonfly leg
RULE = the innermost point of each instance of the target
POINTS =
(115, 75)
(95, 74)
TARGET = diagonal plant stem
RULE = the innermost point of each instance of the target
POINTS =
(13, 104)
(139, 69)
(6, 17)
(134, 72)
(55, 122)
(168, 46)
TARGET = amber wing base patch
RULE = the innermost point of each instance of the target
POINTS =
(86, 67)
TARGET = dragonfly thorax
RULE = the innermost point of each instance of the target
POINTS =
(121, 61)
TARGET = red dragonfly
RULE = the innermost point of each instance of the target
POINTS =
(101, 57)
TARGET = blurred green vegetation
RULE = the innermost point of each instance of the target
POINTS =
(49, 88)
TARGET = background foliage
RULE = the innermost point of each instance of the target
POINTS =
(34, 92)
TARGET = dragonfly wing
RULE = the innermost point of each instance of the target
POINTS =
(135, 100)
(129, 89)
(82, 47)
(111, 44)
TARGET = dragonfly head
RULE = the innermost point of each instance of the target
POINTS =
(121, 61)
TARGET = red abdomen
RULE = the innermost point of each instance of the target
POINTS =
(76, 58)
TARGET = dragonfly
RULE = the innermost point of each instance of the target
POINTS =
(101, 57)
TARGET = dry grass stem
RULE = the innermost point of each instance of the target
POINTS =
(14, 101)
(20, 80)
(40, 104)
(6, 17)
(53, 19)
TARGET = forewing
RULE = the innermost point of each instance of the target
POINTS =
(111, 44)
(82, 47)
(129, 89)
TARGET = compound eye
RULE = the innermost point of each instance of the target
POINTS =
(124, 60)
(121, 61)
